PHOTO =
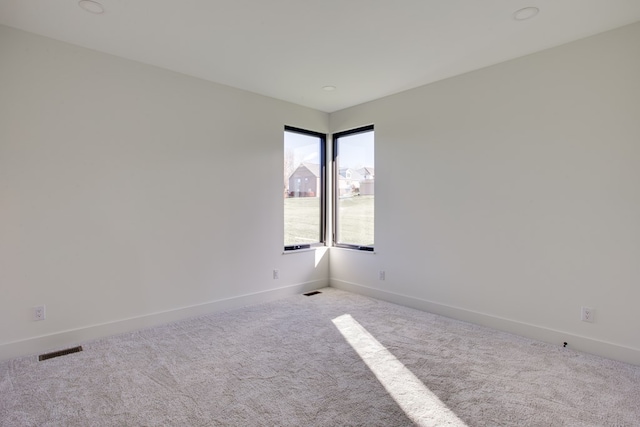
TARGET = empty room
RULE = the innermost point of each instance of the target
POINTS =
(336, 213)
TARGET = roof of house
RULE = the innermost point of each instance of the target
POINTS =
(314, 168)
(367, 170)
(355, 175)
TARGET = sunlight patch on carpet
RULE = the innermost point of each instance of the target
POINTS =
(420, 404)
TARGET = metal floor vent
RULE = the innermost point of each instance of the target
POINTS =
(308, 294)
(59, 353)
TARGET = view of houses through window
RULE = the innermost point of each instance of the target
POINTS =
(354, 189)
(303, 188)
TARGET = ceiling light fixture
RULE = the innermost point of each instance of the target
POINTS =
(525, 13)
(328, 88)
(91, 6)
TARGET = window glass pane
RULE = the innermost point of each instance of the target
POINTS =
(354, 183)
(303, 188)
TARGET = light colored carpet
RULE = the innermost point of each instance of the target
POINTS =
(333, 359)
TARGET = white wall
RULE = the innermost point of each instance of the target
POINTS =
(509, 196)
(128, 193)
(131, 195)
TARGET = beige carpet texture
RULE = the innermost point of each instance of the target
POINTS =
(332, 359)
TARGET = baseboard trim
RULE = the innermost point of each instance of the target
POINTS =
(44, 343)
(576, 342)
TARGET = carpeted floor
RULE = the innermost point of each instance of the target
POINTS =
(333, 359)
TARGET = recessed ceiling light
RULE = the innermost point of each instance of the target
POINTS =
(328, 88)
(525, 13)
(91, 6)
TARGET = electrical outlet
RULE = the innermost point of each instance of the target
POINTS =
(588, 315)
(382, 275)
(38, 313)
(276, 274)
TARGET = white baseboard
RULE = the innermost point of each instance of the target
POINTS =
(42, 344)
(576, 342)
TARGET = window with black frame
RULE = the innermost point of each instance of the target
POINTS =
(304, 188)
(354, 188)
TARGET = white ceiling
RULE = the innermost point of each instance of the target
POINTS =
(290, 49)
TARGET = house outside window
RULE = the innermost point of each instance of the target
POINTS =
(354, 189)
(304, 188)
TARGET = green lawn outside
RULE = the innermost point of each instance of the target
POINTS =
(355, 220)
(302, 220)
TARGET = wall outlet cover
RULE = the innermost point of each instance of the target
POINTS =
(38, 313)
(587, 315)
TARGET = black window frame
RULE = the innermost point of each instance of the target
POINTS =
(323, 188)
(336, 191)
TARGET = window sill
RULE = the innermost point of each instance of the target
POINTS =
(311, 249)
(353, 250)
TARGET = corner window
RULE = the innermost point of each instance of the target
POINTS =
(354, 188)
(304, 188)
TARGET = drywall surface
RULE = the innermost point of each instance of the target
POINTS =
(511, 194)
(127, 191)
